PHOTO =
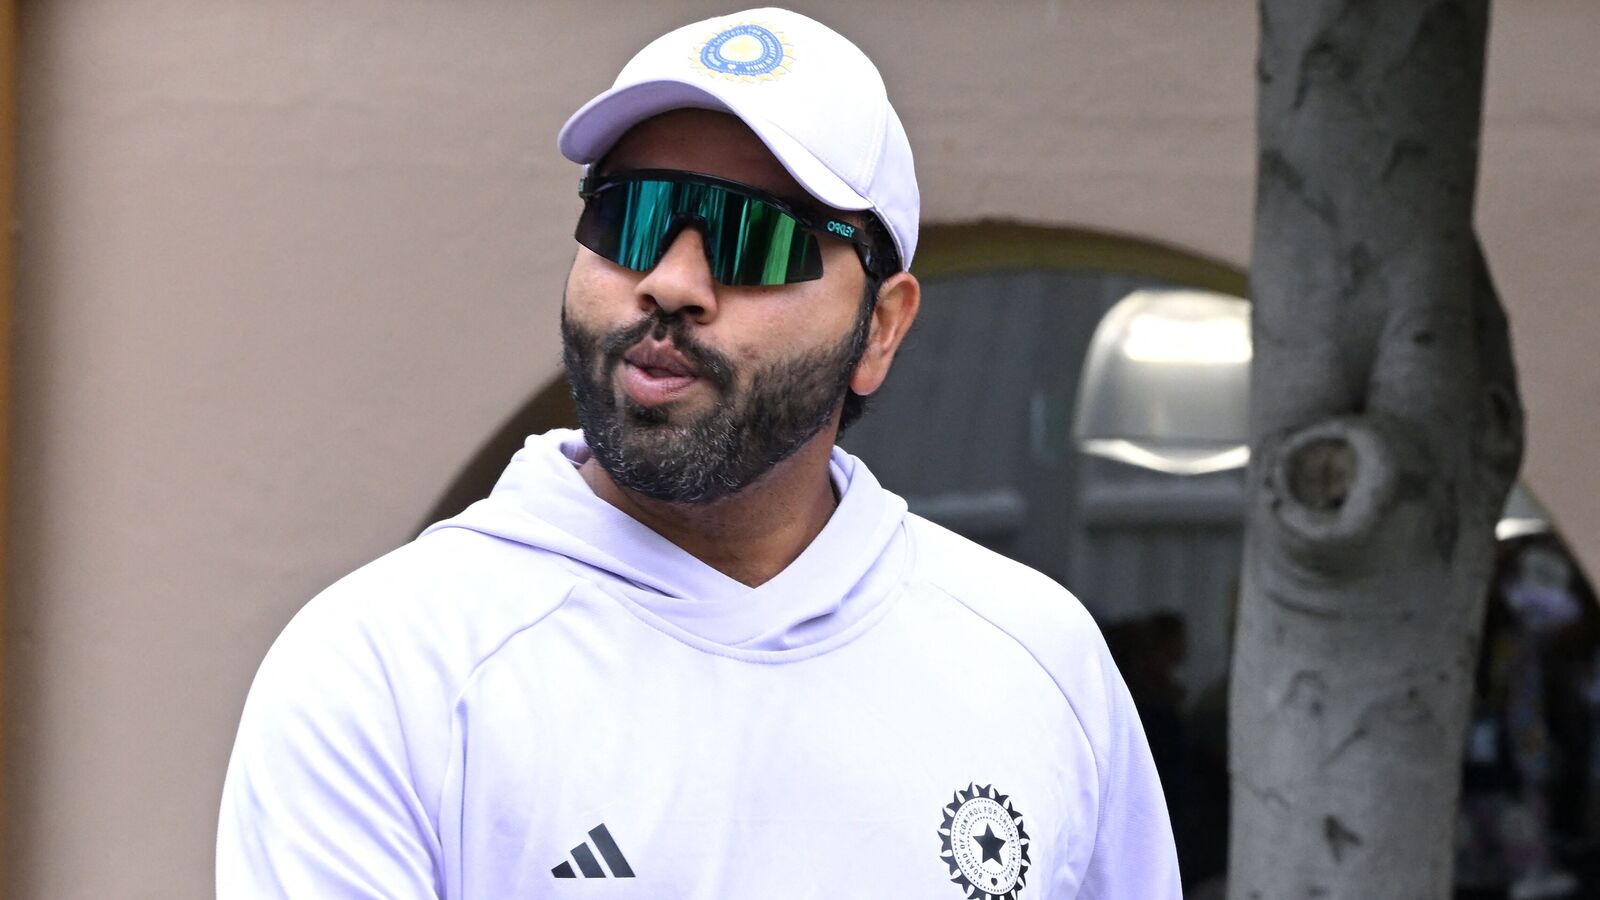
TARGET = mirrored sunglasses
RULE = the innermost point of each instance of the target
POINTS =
(751, 238)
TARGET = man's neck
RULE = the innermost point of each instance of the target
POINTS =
(749, 536)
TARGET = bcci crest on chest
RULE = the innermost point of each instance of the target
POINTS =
(985, 844)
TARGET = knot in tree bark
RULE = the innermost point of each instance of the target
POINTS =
(1334, 482)
(1322, 474)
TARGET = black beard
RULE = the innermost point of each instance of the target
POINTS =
(757, 424)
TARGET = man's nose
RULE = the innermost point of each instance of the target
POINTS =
(681, 282)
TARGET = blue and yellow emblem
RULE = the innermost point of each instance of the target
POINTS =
(744, 52)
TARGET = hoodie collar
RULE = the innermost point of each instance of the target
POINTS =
(847, 570)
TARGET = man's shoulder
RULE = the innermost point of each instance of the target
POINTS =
(981, 578)
(447, 573)
(443, 603)
(1040, 615)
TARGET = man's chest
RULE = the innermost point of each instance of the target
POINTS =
(881, 769)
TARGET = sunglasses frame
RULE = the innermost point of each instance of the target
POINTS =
(814, 220)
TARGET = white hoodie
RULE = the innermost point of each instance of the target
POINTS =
(543, 698)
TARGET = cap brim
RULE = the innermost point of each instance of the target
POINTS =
(595, 127)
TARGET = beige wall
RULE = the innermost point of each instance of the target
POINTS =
(1539, 217)
(283, 265)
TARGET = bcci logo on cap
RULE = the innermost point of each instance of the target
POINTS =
(745, 52)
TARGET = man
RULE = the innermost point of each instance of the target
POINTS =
(694, 650)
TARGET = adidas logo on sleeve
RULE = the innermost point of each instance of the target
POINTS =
(588, 865)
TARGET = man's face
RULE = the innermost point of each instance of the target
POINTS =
(689, 390)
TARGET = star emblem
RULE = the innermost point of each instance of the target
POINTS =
(991, 844)
(983, 841)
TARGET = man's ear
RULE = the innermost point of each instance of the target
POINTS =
(898, 299)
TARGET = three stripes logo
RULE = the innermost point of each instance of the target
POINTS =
(588, 865)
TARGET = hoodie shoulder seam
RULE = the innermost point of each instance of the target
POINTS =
(509, 636)
(1094, 754)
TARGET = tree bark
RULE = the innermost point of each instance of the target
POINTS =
(1385, 434)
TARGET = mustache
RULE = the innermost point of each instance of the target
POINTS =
(709, 363)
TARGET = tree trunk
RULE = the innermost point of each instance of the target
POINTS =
(1385, 435)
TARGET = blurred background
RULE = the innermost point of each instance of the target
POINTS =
(287, 277)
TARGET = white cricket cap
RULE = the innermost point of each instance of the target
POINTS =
(812, 97)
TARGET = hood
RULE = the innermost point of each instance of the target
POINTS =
(852, 566)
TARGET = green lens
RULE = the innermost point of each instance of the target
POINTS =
(767, 245)
(748, 241)
(646, 212)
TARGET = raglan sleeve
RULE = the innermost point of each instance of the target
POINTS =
(321, 798)
(1134, 854)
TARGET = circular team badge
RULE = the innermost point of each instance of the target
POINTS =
(985, 844)
(744, 52)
